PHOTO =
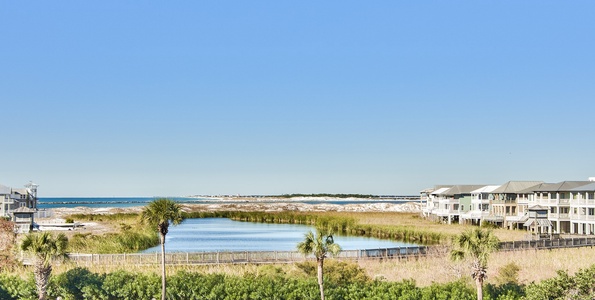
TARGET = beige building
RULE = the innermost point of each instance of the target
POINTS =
(570, 206)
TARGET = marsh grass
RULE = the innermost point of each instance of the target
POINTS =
(534, 266)
(127, 235)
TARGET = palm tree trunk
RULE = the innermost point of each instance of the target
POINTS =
(479, 285)
(42, 278)
(162, 266)
(320, 262)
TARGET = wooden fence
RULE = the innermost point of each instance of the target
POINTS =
(548, 244)
(237, 257)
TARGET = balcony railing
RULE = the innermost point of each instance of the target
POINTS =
(559, 216)
(582, 218)
(582, 202)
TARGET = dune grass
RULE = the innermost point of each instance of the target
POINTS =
(535, 265)
(127, 235)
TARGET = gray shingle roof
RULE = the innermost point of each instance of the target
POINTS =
(4, 190)
(561, 186)
(462, 189)
(514, 187)
(585, 188)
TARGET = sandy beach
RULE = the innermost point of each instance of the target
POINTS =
(265, 206)
(59, 215)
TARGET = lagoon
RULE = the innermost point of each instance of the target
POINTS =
(221, 234)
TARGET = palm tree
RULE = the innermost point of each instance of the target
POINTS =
(159, 214)
(476, 244)
(46, 248)
(319, 244)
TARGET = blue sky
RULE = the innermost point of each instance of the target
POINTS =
(131, 98)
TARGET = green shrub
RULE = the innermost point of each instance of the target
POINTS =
(508, 273)
(74, 283)
(579, 286)
(336, 271)
(13, 287)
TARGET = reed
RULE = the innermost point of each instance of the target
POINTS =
(128, 235)
(339, 223)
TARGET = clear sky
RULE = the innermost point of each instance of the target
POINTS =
(154, 98)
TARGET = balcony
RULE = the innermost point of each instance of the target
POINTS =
(582, 202)
(446, 212)
(503, 201)
(559, 217)
(582, 218)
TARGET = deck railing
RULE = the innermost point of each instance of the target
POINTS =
(237, 257)
(548, 244)
(242, 257)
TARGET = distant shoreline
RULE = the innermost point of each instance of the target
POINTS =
(271, 206)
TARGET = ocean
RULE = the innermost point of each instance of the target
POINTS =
(101, 202)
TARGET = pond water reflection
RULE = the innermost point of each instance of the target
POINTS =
(220, 234)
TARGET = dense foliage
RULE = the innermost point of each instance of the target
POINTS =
(343, 281)
(79, 283)
(7, 241)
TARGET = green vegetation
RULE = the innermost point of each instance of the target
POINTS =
(342, 281)
(159, 214)
(339, 224)
(319, 244)
(126, 241)
(509, 273)
(476, 244)
(131, 237)
(46, 248)
(110, 218)
(7, 241)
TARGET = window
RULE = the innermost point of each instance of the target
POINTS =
(591, 211)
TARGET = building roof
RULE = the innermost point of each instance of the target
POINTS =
(584, 188)
(24, 209)
(440, 191)
(485, 189)
(21, 191)
(462, 189)
(561, 186)
(514, 187)
(538, 207)
(538, 222)
(435, 188)
(4, 190)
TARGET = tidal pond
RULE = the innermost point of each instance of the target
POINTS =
(221, 234)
